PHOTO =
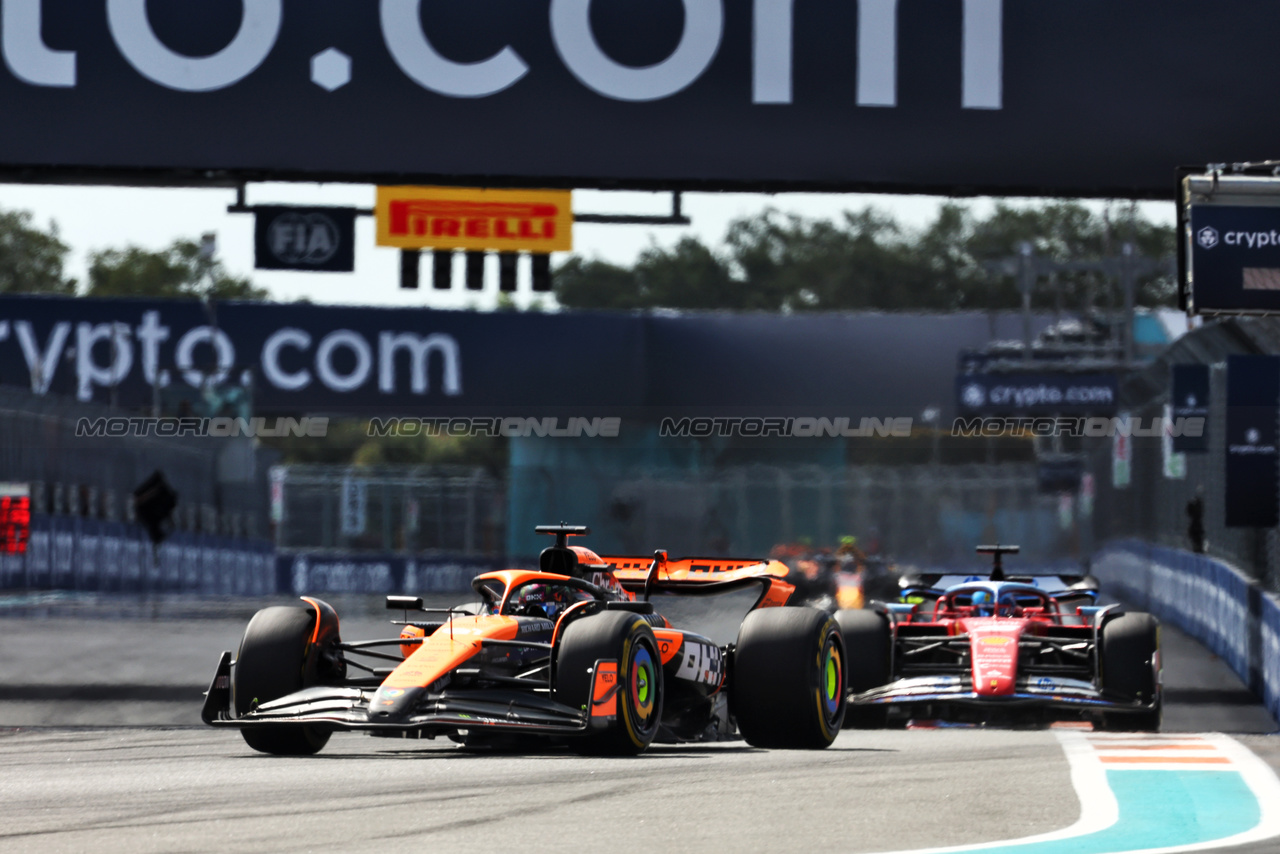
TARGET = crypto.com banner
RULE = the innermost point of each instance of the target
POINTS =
(321, 359)
(309, 358)
(951, 95)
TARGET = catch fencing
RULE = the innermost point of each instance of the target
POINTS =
(221, 487)
(923, 514)
(929, 515)
(385, 509)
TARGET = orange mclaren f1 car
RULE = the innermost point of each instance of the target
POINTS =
(572, 652)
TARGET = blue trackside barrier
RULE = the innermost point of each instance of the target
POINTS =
(74, 553)
(1206, 598)
(326, 572)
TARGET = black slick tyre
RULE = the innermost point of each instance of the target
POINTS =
(628, 639)
(270, 664)
(867, 642)
(788, 683)
(1130, 663)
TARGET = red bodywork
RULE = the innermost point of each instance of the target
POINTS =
(994, 636)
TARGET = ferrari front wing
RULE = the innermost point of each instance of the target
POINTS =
(1041, 691)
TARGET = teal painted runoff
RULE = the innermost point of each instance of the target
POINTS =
(1160, 809)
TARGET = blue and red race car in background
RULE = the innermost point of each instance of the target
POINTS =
(1024, 649)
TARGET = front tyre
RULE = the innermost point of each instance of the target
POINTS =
(628, 639)
(271, 664)
(788, 689)
(1131, 670)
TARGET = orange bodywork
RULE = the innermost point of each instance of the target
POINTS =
(669, 641)
(604, 690)
(314, 603)
(410, 632)
(778, 593)
(635, 570)
(448, 648)
(695, 568)
(849, 593)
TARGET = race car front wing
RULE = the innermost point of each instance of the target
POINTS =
(347, 708)
(1042, 691)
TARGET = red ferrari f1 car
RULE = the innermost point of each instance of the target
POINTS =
(572, 652)
(1002, 649)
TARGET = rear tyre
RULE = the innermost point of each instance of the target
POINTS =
(867, 642)
(788, 689)
(271, 664)
(627, 638)
(1131, 670)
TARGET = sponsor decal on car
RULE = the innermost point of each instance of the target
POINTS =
(700, 662)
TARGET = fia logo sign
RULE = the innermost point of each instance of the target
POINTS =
(313, 239)
(303, 239)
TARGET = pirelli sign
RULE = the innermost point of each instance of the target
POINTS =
(539, 221)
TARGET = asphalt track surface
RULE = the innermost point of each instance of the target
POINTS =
(99, 751)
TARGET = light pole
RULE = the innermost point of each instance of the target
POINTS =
(931, 416)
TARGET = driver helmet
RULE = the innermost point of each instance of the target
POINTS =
(982, 602)
(544, 598)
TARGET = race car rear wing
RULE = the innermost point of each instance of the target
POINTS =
(702, 576)
(928, 585)
(933, 585)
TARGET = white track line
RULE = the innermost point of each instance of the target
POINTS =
(1099, 809)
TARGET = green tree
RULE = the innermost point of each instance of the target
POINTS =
(866, 260)
(689, 275)
(861, 262)
(590, 283)
(177, 271)
(1068, 231)
(31, 260)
